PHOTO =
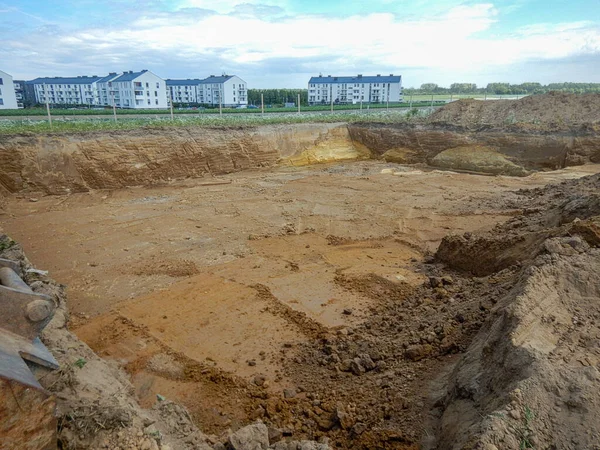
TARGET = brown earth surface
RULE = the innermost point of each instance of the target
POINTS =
(552, 111)
(302, 296)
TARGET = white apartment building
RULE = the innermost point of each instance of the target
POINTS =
(141, 90)
(8, 98)
(344, 90)
(65, 90)
(184, 91)
(137, 90)
(230, 88)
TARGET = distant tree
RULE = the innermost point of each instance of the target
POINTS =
(428, 87)
(463, 88)
(277, 96)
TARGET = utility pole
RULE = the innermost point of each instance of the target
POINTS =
(47, 107)
(262, 104)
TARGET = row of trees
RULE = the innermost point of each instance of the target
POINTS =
(504, 88)
(277, 97)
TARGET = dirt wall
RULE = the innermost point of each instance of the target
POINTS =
(61, 164)
(411, 144)
(76, 163)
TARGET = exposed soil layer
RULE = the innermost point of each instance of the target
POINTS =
(303, 297)
(544, 132)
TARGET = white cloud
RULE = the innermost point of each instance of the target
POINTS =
(458, 41)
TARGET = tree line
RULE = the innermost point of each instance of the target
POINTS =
(504, 88)
(277, 97)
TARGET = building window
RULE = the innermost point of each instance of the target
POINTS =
(147, 85)
(1, 81)
(156, 101)
(1, 101)
(157, 85)
(148, 101)
(156, 93)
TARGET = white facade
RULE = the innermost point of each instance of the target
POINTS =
(365, 89)
(184, 91)
(231, 88)
(65, 91)
(137, 90)
(8, 98)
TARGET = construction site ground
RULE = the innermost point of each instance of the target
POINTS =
(224, 294)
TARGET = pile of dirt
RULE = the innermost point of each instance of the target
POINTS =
(530, 378)
(552, 111)
(556, 210)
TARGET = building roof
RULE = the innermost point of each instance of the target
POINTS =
(187, 82)
(213, 79)
(356, 79)
(129, 76)
(64, 80)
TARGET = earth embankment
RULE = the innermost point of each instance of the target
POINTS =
(61, 164)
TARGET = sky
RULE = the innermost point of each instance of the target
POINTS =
(282, 43)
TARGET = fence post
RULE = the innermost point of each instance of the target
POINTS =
(48, 107)
(114, 106)
(331, 94)
(410, 105)
(431, 100)
(171, 102)
(298, 103)
(262, 104)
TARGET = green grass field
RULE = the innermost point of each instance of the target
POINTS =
(33, 112)
(81, 124)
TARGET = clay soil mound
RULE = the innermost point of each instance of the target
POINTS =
(530, 376)
(555, 110)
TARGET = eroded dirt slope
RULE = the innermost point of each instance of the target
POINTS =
(530, 378)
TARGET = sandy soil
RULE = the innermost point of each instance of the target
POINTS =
(206, 291)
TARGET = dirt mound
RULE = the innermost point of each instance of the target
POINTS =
(476, 158)
(556, 210)
(530, 377)
(555, 110)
